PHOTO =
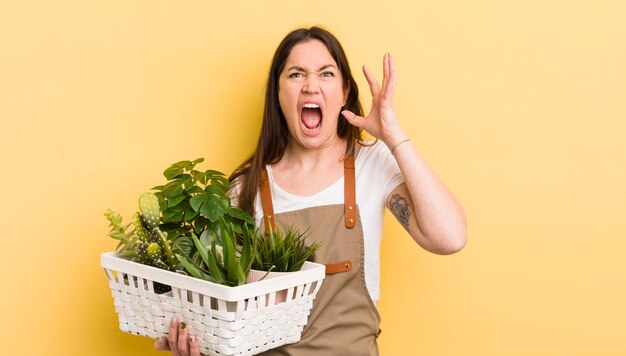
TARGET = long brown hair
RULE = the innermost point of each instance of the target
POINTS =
(274, 134)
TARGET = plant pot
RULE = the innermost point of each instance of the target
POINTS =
(226, 320)
(256, 275)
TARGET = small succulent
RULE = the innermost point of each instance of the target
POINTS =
(282, 252)
(119, 231)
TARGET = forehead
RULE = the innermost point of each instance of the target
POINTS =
(311, 54)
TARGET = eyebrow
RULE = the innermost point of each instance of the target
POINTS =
(319, 70)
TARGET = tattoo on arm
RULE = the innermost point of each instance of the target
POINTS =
(399, 206)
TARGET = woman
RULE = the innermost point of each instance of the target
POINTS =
(312, 169)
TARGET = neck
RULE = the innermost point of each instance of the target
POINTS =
(303, 157)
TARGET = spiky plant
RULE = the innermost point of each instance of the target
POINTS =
(282, 252)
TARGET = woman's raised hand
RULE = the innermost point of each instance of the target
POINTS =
(179, 341)
(381, 122)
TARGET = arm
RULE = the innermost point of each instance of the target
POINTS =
(423, 205)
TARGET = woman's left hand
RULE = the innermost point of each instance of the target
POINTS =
(179, 341)
(381, 122)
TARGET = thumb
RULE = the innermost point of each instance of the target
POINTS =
(353, 118)
(162, 344)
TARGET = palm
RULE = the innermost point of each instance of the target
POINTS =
(381, 122)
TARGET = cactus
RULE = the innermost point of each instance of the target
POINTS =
(155, 246)
(145, 244)
(161, 238)
(154, 251)
(140, 230)
(149, 208)
(146, 239)
(142, 253)
(155, 254)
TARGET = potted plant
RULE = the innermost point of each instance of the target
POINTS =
(178, 227)
(278, 253)
(187, 252)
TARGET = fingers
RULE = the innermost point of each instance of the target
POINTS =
(194, 348)
(173, 336)
(179, 341)
(371, 80)
(389, 79)
(183, 339)
(390, 89)
(385, 72)
(353, 118)
(162, 344)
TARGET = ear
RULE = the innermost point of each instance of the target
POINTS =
(346, 91)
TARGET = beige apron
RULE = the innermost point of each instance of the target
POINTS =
(344, 319)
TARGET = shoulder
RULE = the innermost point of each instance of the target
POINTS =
(376, 165)
(373, 153)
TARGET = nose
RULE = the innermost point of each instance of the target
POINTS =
(311, 84)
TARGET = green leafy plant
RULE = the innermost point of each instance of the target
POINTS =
(194, 201)
(165, 231)
(282, 252)
(228, 263)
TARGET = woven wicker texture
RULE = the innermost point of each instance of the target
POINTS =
(245, 326)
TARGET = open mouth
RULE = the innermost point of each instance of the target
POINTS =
(311, 118)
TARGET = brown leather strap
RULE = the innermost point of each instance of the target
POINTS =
(343, 266)
(349, 192)
(266, 202)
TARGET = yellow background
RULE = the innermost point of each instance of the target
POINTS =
(519, 106)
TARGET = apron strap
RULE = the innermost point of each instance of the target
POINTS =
(349, 199)
(343, 266)
(266, 202)
(349, 192)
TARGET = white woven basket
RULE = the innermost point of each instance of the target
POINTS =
(240, 320)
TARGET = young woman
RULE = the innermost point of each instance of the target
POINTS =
(312, 169)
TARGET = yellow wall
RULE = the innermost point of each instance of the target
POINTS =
(519, 106)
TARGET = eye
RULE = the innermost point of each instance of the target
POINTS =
(328, 74)
(295, 75)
